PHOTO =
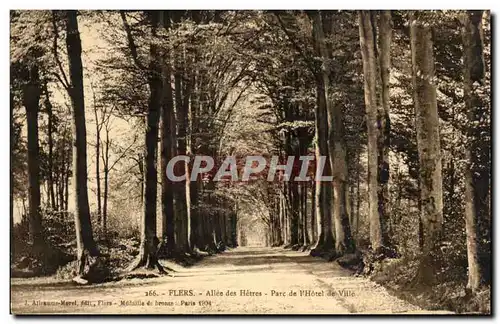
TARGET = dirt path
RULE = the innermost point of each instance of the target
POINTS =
(240, 281)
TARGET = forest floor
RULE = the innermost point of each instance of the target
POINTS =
(238, 281)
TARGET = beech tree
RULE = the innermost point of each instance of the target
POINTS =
(477, 172)
(337, 151)
(31, 98)
(86, 246)
(181, 189)
(370, 76)
(168, 150)
(147, 257)
(429, 150)
(323, 190)
(384, 52)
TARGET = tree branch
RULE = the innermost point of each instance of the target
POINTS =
(64, 79)
(131, 43)
(125, 151)
(294, 43)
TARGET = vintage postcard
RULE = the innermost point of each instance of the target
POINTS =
(250, 162)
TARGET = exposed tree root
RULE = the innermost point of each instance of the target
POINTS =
(184, 258)
(327, 254)
(352, 261)
(199, 253)
(92, 267)
(305, 247)
(325, 247)
(364, 261)
(315, 252)
(210, 248)
(147, 262)
(324, 250)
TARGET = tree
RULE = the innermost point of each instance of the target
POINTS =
(477, 170)
(385, 35)
(367, 43)
(31, 98)
(86, 246)
(98, 125)
(168, 148)
(50, 132)
(337, 152)
(107, 168)
(181, 188)
(148, 249)
(428, 141)
(323, 193)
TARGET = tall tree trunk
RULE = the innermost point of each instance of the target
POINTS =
(227, 229)
(352, 214)
(86, 245)
(300, 225)
(234, 228)
(277, 222)
(140, 165)
(149, 241)
(306, 236)
(47, 190)
(337, 152)
(478, 158)
(196, 228)
(50, 117)
(314, 225)
(282, 216)
(324, 195)
(429, 151)
(225, 237)
(31, 98)
(66, 180)
(358, 191)
(367, 44)
(220, 225)
(420, 221)
(272, 221)
(107, 144)
(197, 235)
(385, 37)
(60, 183)
(294, 212)
(97, 163)
(284, 209)
(69, 172)
(182, 198)
(168, 148)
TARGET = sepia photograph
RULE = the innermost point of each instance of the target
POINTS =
(250, 162)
